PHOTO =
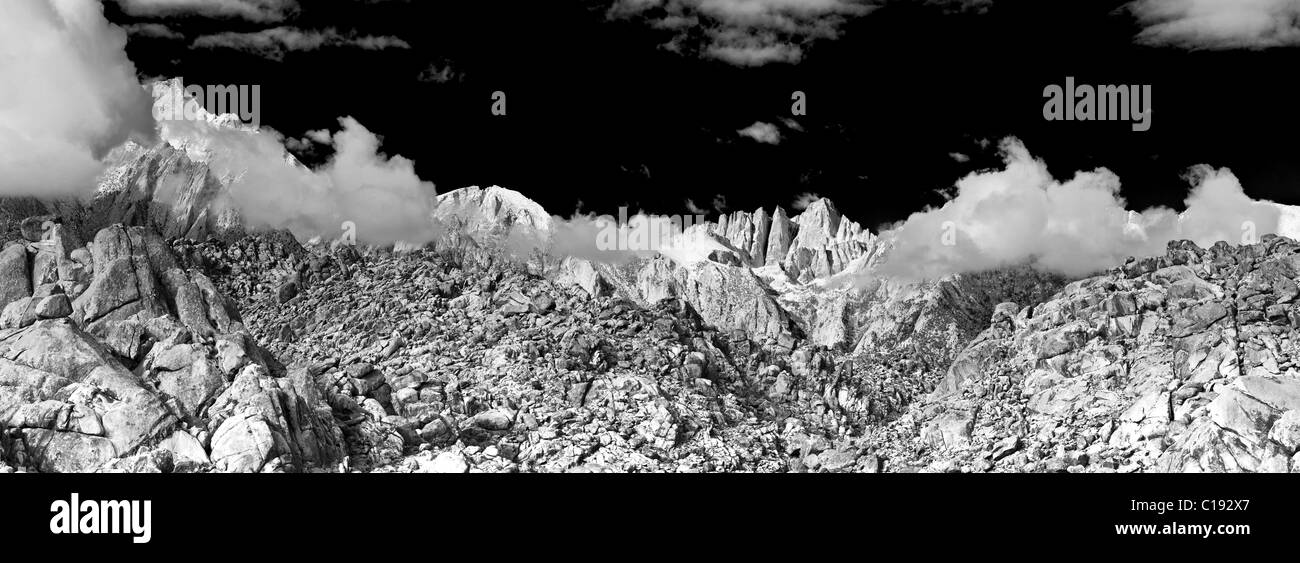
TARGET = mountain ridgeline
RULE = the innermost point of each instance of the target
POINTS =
(150, 328)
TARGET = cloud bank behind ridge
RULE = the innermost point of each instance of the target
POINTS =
(382, 195)
(1022, 215)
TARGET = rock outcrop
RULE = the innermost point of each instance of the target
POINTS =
(119, 351)
(815, 244)
(446, 366)
(759, 343)
(1176, 363)
(166, 188)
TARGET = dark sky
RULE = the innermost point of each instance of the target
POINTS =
(594, 103)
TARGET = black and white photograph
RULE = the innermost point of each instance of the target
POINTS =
(1021, 263)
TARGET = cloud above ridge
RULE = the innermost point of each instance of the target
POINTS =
(1022, 215)
(381, 194)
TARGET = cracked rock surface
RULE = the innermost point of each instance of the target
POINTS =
(126, 350)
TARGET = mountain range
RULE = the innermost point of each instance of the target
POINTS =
(153, 327)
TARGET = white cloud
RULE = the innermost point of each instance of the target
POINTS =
(321, 136)
(803, 200)
(580, 237)
(275, 42)
(1219, 24)
(1020, 215)
(382, 194)
(252, 10)
(605, 239)
(152, 30)
(757, 32)
(69, 95)
(309, 141)
(745, 32)
(762, 132)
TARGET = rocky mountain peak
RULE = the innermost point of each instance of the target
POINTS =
(171, 186)
(172, 102)
(820, 216)
(491, 208)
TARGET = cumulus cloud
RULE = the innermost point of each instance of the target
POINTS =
(252, 10)
(744, 32)
(275, 42)
(1022, 215)
(803, 200)
(69, 95)
(320, 136)
(1219, 24)
(762, 132)
(610, 240)
(381, 194)
(309, 140)
(589, 236)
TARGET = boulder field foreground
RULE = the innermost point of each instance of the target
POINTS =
(124, 351)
